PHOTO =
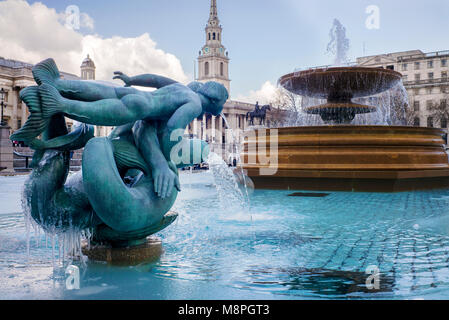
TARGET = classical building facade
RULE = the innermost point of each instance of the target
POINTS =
(17, 75)
(425, 77)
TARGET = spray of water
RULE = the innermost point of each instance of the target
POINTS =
(339, 44)
(229, 194)
(237, 152)
(392, 105)
(232, 198)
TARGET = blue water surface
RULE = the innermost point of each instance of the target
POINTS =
(282, 247)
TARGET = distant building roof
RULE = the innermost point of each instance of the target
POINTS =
(14, 64)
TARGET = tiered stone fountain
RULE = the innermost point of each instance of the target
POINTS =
(341, 156)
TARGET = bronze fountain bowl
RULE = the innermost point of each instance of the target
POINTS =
(340, 83)
(338, 86)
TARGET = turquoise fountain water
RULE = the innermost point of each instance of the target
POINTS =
(294, 247)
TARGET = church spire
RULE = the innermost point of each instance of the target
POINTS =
(213, 18)
(213, 60)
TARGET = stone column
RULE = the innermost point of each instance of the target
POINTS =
(220, 129)
(15, 100)
(24, 113)
(195, 127)
(204, 127)
(213, 128)
(6, 150)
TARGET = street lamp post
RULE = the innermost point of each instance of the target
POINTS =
(2, 100)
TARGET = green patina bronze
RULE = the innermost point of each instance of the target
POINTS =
(129, 180)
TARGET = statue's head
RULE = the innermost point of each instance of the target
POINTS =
(215, 93)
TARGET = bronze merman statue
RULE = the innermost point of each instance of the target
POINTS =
(129, 180)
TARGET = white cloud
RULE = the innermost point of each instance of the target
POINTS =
(32, 33)
(87, 21)
(265, 95)
(72, 18)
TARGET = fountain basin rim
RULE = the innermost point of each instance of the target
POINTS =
(349, 158)
(343, 128)
(341, 69)
(325, 83)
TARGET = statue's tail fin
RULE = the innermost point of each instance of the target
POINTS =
(36, 123)
(50, 100)
(46, 72)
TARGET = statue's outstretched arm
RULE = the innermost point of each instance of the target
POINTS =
(144, 80)
(145, 136)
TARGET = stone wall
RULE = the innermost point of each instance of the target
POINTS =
(6, 150)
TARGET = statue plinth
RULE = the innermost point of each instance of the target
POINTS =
(147, 252)
(6, 150)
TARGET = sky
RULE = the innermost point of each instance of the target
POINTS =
(265, 38)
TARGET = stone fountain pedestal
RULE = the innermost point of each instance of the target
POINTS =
(351, 158)
(6, 151)
(147, 252)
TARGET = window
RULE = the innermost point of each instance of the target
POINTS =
(404, 66)
(417, 77)
(430, 64)
(443, 123)
(209, 35)
(206, 68)
(430, 75)
(405, 77)
(213, 36)
(19, 123)
(416, 105)
(416, 92)
(417, 65)
(430, 122)
(429, 90)
(221, 69)
(444, 74)
(444, 90)
(218, 36)
(429, 104)
(390, 67)
(444, 62)
(443, 103)
(416, 122)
